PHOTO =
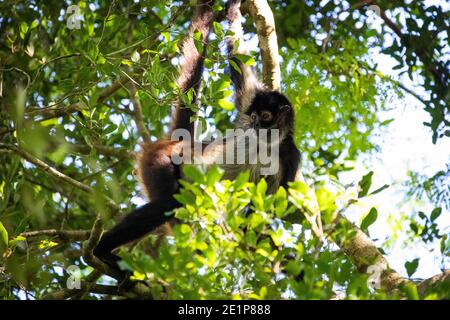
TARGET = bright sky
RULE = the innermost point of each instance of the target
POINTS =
(406, 145)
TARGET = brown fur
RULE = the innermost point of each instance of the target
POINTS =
(192, 67)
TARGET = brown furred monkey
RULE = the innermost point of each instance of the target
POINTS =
(259, 108)
(156, 172)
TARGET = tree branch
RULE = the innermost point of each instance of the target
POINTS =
(85, 149)
(265, 27)
(120, 83)
(364, 253)
(434, 67)
(65, 235)
(54, 112)
(89, 246)
(139, 290)
(434, 282)
(85, 287)
(359, 248)
(58, 175)
(137, 114)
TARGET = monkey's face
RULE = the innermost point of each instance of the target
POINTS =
(270, 110)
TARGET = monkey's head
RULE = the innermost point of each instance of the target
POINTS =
(269, 110)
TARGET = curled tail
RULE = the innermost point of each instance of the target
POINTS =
(192, 67)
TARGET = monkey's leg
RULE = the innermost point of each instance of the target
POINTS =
(134, 226)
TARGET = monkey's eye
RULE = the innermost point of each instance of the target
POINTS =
(266, 115)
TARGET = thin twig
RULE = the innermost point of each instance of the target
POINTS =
(49, 113)
(137, 114)
(57, 174)
(64, 235)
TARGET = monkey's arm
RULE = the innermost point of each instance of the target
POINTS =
(245, 80)
(192, 67)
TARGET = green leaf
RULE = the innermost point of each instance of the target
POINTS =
(3, 236)
(410, 289)
(411, 266)
(292, 43)
(422, 215)
(235, 66)
(379, 189)
(110, 129)
(166, 36)
(281, 203)
(127, 62)
(241, 180)
(49, 122)
(444, 244)
(214, 175)
(23, 29)
(369, 219)
(435, 213)
(246, 59)
(193, 173)
(293, 268)
(414, 227)
(225, 104)
(218, 29)
(261, 188)
(365, 184)
(198, 41)
(185, 229)
(325, 198)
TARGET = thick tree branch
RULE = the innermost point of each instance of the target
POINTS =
(89, 246)
(139, 291)
(434, 282)
(265, 27)
(363, 252)
(85, 287)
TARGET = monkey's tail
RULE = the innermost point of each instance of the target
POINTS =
(192, 68)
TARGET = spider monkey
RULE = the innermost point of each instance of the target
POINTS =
(258, 108)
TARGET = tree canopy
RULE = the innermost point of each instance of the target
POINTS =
(83, 83)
